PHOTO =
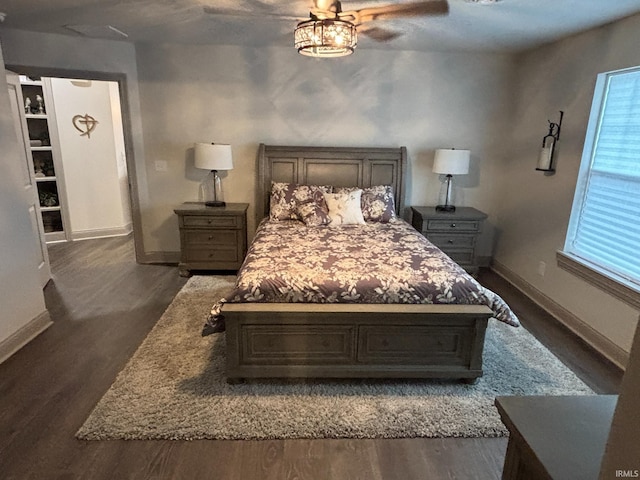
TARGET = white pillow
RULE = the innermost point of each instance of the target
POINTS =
(344, 208)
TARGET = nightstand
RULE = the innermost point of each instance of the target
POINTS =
(552, 437)
(455, 233)
(212, 238)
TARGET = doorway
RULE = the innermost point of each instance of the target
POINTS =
(83, 214)
(92, 161)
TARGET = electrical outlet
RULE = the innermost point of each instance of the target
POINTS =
(542, 268)
(161, 165)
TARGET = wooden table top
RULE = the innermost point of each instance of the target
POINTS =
(567, 434)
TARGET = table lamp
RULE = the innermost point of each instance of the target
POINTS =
(450, 162)
(214, 157)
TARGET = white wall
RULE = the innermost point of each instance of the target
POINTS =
(534, 212)
(21, 298)
(245, 96)
(91, 163)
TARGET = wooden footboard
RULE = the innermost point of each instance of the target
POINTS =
(353, 340)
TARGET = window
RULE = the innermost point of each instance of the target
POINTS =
(604, 229)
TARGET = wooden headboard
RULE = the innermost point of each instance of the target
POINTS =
(337, 166)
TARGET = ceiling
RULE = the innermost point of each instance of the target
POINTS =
(505, 26)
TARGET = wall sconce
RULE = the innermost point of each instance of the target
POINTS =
(545, 161)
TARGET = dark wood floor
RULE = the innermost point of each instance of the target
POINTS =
(103, 305)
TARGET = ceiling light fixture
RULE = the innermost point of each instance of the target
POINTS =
(325, 38)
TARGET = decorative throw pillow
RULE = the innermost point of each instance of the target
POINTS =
(378, 204)
(314, 212)
(344, 208)
(284, 196)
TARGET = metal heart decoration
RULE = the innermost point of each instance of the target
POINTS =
(85, 124)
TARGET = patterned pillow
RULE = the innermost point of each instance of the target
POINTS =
(314, 212)
(378, 204)
(284, 196)
(344, 208)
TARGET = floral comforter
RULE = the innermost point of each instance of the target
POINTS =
(372, 263)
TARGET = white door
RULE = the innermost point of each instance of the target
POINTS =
(29, 180)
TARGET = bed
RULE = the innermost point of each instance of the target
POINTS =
(372, 328)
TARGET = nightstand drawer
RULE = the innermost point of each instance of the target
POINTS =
(461, 257)
(212, 237)
(217, 254)
(453, 225)
(211, 221)
(452, 241)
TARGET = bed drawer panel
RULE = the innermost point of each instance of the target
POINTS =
(276, 344)
(423, 345)
(211, 221)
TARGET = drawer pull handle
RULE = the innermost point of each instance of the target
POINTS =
(450, 242)
(210, 237)
(209, 220)
(211, 255)
(453, 225)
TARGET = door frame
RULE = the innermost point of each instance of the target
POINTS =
(121, 80)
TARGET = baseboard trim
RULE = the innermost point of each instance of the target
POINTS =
(102, 233)
(161, 258)
(24, 335)
(593, 338)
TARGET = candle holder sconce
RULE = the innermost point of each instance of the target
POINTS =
(546, 158)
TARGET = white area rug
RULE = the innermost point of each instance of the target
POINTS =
(174, 388)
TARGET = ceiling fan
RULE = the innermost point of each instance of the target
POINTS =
(332, 32)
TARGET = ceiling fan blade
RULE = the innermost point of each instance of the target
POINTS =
(402, 10)
(378, 34)
(229, 12)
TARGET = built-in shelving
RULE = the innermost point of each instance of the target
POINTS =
(43, 160)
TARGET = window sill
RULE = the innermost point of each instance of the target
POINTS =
(596, 277)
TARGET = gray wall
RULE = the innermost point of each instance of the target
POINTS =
(245, 96)
(533, 215)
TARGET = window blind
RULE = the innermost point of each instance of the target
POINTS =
(607, 229)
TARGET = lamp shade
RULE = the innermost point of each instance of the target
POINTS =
(451, 161)
(213, 156)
